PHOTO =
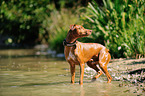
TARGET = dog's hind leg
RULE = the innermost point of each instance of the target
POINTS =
(93, 65)
(104, 69)
(104, 59)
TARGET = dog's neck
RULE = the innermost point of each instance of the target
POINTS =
(71, 38)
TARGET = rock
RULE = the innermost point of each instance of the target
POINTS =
(60, 55)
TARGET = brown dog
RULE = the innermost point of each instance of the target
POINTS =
(77, 53)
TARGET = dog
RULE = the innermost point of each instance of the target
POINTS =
(78, 53)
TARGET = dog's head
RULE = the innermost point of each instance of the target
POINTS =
(80, 31)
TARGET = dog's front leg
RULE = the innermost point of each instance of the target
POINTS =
(82, 65)
(72, 69)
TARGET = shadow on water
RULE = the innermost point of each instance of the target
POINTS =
(35, 56)
(55, 83)
(44, 84)
(26, 53)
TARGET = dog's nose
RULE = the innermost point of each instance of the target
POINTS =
(90, 30)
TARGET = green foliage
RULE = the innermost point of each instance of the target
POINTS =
(59, 26)
(31, 22)
(134, 39)
(118, 25)
(22, 19)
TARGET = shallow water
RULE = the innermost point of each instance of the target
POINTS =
(24, 74)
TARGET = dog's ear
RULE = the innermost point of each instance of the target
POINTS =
(72, 27)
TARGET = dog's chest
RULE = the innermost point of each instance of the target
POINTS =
(71, 56)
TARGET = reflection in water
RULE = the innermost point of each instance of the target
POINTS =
(82, 91)
(31, 75)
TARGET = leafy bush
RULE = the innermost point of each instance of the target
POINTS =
(22, 19)
(59, 26)
(118, 25)
(134, 39)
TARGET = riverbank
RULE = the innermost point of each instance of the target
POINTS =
(130, 71)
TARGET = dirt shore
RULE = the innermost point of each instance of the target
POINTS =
(130, 71)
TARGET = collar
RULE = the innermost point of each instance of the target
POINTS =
(68, 44)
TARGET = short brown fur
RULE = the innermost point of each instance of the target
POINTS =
(81, 53)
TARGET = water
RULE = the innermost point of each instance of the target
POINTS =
(24, 74)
